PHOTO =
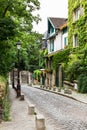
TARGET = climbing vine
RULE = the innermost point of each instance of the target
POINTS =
(78, 27)
(61, 57)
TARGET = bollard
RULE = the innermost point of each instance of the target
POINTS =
(54, 89)
(67, 91)
(40, 122)
(31, 109)
(22, 97)
(59, 89)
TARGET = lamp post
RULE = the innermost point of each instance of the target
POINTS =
(18, 76)
(13, 78)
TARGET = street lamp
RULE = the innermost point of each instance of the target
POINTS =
(18, 78)
(13, 78)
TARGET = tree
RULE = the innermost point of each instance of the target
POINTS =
(18, 12)
(16, 18)
(34, 42)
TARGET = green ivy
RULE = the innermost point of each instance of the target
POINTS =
(61, 57)
(82, 83)
(75, 69)
(79, 26)
(37, 74)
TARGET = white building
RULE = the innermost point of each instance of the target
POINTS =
(56, 41)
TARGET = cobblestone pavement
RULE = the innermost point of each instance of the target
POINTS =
(61, 112)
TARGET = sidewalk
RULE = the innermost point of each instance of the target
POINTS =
(20, 119)
(75, 95)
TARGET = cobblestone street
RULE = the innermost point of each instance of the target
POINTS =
(61, 112)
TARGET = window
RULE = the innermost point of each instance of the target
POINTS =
(75, 40)
(51, 30)
(81, 11)
(78, 12)
(51, 45)
(65, 41)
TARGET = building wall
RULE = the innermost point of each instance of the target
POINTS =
(77, 26)
(50, 79)
(65, 35)
(58, 42)
(48, 46)
(25, 77)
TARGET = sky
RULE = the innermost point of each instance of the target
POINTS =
(50, 8)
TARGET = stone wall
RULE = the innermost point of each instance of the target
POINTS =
(25, 77)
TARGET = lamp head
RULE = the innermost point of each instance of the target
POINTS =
(18, 45)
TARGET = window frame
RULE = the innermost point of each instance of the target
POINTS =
(77, 13)
(51, 45)
(65, 41)
(75, 40)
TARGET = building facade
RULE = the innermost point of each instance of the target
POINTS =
(57, 40)
(77, 22)
(74, 39)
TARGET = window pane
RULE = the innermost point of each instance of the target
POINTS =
(65, 41)
(52, 46)
(75, 40)
(77, 13)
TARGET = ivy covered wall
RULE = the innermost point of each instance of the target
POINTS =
(74, 58)
(79, 26)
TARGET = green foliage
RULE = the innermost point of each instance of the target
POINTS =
(61, 57)
(2, 79)
(33, 50)
(82, 83)
(42, 60)
(7, 28)
(23, 59)
(77, 26)
(20, 11)
(72, 71)
(16, 20)
(7, 57)
(6, 105)
(37, 74)
(76, 68)
(77, 65)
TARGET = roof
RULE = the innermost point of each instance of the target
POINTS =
(58, 22)
(64, 25)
